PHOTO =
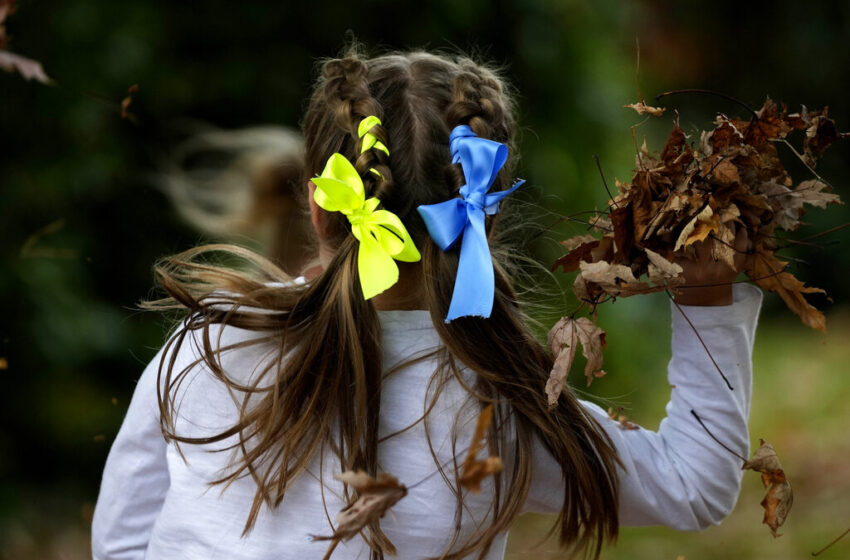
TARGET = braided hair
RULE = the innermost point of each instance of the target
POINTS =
(328, 388)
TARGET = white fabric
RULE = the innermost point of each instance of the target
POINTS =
(155, 505)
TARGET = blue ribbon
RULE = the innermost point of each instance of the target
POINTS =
(481, 160)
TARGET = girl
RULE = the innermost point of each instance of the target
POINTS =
(384, 359)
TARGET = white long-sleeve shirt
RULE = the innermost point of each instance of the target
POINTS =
(154, 504)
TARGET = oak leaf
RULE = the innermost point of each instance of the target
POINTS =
(474, 470)
(779, 498)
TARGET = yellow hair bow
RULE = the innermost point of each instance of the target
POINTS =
(381, 234)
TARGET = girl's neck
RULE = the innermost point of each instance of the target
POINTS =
(406, 294)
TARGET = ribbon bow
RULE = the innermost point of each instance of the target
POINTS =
(381, 234)
(481, 160)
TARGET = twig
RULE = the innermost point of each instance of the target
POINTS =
(802, 159)
(827, 232)
(835, 540)
(708, 92)
(604, 182)
(701, 341)
(720, 443)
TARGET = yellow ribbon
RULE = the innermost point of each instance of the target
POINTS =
(370, 140)
(381, 234)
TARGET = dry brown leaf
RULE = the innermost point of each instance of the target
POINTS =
(811, 192)
(732, 180)
(563, 342)
(578, 240)
(4, 364)
(779, 498)
(660, 269)
(767, 272)
(564, 339)
(703, 224)
(375, 498)
(642, 108)
(125, 103)
(622, 421)
(592, 340)
(474, 470)
(606, 274)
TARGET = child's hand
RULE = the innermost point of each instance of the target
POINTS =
(711, 280)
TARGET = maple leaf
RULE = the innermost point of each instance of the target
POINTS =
(375, 498)
(779, 498)
(767, 272)
(642, 108)
(473, 470)
(563, 340)
(733, 181)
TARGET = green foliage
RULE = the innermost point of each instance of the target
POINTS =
(69, 332)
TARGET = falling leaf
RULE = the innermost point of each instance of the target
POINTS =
(473, 470)
(563, 340)
(28, 68)
(622, 421)
(779, 498)
(125, 103)
(642, 108)
(4, 364)
(375, 497)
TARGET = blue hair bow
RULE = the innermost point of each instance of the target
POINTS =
(481, 160)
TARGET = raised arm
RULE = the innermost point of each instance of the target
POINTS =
(679, 476)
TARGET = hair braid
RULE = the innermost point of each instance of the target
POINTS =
(347, 82)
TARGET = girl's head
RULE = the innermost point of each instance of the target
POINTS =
(420, 98)
(330, 380)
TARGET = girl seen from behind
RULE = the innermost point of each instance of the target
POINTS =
(383, 359)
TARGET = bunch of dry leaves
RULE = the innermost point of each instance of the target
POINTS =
(731, 180)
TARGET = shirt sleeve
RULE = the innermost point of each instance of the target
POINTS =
(679, 476)
(135, 479)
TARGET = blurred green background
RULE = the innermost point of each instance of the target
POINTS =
(76, 185)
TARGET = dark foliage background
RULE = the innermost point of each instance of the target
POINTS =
(69, 331)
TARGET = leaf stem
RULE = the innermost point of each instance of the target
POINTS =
(835, 540)
(708, 92)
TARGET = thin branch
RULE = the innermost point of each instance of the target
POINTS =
(720, 443)
(801, 158)
(604, 182)
(701, 341)
(827, 232)
(708, 92)
(835, 540)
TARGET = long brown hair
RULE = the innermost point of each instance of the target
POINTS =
(330, 336)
